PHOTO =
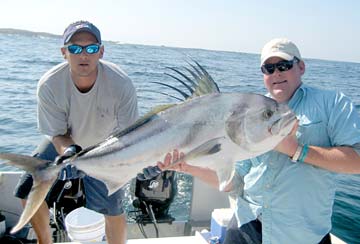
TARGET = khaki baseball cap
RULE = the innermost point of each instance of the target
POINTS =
(280, 47)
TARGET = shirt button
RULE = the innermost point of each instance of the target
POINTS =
(268, 186)
(265, 206)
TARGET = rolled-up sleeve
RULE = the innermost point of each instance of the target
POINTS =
(344, 122)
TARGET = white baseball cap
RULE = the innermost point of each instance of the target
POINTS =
(280, 47)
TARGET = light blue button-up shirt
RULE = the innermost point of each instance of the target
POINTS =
(295, 200)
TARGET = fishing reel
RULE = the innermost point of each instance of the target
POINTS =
(64, 197)
(153, 199)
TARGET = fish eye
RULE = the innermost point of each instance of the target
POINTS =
(268, 113)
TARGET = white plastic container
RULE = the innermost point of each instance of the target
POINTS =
(85, 225)
(220, 218)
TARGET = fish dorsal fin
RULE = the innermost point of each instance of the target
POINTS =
(205, 83)
(197, 82)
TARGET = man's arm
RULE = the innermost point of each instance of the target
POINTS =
(66, 148)
(207, 175)
(337, 159)
(61, 142)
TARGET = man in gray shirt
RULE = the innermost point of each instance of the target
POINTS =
(80, 103)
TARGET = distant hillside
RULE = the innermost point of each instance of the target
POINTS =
(26, 32)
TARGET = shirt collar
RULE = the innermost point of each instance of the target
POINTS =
(297, 96)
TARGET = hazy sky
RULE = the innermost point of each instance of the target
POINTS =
(324, 29)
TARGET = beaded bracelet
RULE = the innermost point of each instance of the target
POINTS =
(304, 153)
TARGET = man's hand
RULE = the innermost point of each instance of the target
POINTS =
(68, 153)
(289, 144)
(173, 162)
(153, 171)
(69, 171)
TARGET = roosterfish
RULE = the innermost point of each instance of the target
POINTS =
(212, 129)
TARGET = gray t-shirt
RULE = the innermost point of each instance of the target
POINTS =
(89, 117)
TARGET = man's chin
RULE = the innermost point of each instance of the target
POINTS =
(279, 95)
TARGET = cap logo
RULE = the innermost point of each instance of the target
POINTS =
(82, 26)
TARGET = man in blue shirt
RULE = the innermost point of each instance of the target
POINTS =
(287, 194)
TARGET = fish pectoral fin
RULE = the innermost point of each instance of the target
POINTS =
(207, 148)
(35, 199)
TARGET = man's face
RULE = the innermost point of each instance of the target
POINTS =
(83, 64)
(282, 85)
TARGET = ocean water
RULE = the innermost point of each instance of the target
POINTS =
(24, 58)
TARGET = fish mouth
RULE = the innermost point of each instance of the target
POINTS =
(283, 122)
(270, 129)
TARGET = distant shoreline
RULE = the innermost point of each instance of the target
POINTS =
(27, 33)
(13, 31)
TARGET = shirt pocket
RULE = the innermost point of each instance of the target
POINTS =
(313, 133)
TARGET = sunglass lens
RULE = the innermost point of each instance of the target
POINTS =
(92, 49)
(75, 49)
(281, 66)
(284, 66)
(268, 69)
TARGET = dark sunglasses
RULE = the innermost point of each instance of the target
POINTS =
(77, 49)
(282, 66)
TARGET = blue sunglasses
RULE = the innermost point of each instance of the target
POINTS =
(77, 49)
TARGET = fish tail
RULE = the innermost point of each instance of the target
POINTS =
(35, 199)
(24, 162)
(41, 186)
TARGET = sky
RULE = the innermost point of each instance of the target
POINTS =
(322, 29)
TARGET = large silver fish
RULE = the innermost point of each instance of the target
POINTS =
(213, 130)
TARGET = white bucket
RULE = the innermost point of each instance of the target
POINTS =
(85, 225)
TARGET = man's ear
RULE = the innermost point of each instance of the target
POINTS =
(102, 50)
(63, 52)
(302, 67)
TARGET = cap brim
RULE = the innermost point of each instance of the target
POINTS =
(84, 29)
(277, 54)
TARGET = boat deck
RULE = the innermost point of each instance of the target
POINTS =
(204, 201)
(197, 239)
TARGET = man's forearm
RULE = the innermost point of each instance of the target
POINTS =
(61, 142)
(336, 159)
(204, 174)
